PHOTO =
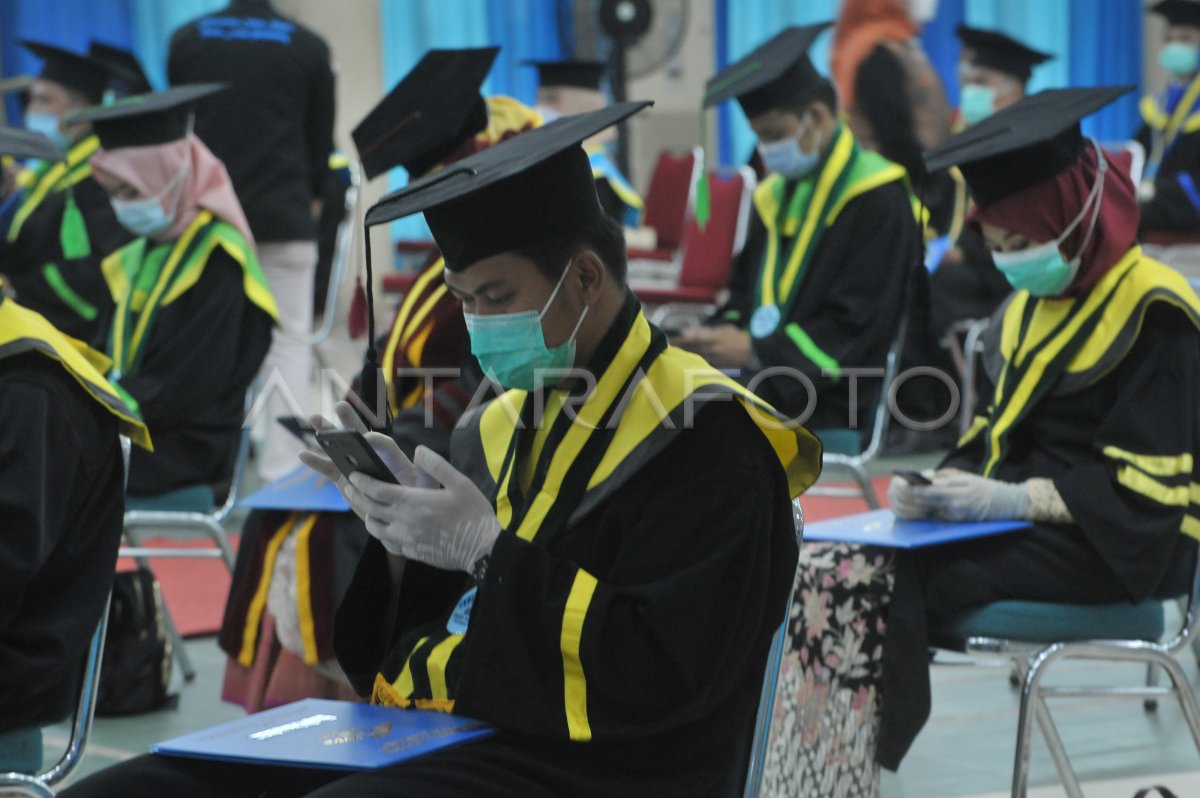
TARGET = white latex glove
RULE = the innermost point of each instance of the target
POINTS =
(449, 526)
(387, 449)
(959, 496)
(909, 501)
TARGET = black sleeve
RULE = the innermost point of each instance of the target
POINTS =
(681, 608)
(1176, 202)
(1131, 496)
(740, 305)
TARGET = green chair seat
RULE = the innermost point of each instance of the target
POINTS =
(1039, 622)
(192, 499)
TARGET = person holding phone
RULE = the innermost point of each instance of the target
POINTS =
(587, 578)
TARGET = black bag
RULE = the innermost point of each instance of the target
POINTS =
(135, 670)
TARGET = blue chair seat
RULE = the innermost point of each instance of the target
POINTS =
(847, 442)
(21, 751)
(1039, 622)
(192, 499)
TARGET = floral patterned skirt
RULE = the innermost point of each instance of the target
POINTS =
(823, 733)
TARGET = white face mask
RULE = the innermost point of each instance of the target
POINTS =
(147, 216)
(785, 157)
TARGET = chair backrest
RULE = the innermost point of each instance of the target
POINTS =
(766, 699)
(887, 393)
(341, 253)
(669, 194)
(708, 253)
(239, 460)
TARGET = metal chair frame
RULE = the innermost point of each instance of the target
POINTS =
(766, 699)
(1033, 660)
(341, 257)
(212, 523)
(856, 464)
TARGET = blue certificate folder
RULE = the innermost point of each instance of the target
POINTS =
(881, 528)
(300, 489)
(336, 735)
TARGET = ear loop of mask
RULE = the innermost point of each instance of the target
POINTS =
(1096, 195)
(554, 293)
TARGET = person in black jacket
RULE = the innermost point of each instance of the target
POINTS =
(273, 130)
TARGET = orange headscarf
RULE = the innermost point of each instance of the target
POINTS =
(862, 24)
(153, 169)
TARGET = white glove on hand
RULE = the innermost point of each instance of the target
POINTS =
(449, 526)
(959, 496)
(908, 501)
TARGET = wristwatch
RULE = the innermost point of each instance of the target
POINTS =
(479, 569)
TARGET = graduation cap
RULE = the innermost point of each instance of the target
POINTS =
(146, 119)
(995, 50)
(1024, 144)
(20, 143)
(572, 73)
(78, 72)
(127, 75)
(1178, 12)
(428, 114)
(777, 73)
(533, 187)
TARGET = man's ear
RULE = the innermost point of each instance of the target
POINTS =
(592, 275)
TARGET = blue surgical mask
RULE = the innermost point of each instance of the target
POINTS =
(1179, 59)
(1041, 270)
(976, 103)
(511, 347)
(786, 158)
(47, 125)
(147, 216)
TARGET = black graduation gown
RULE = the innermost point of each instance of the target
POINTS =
(202, 354)
(38, 244)
(61, 510)
(1171, 210)
(865, 272)
(1123, 547)
(692, 556)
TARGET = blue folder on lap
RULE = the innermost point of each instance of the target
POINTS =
(300, 489)
(882, 528)
(336, 735)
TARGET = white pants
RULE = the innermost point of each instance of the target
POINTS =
(289, 267)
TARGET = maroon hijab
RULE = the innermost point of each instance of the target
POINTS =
(1043, 211)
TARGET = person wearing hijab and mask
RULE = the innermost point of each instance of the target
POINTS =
(1170, 134)
(810, 294)
(193, 313)
(57, 228)
(1088, 432)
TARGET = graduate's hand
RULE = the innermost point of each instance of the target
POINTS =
(724, 346)
(909, 501)
(446, 522)
(959, 496)
(388, 450)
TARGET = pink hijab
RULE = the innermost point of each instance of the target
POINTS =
(156, 168)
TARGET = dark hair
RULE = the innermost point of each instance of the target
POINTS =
(603, 235)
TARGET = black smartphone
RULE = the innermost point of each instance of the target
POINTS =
(350, 452)
(912, 477)
(300, 428)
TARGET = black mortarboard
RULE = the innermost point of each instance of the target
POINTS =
(428, 114)
(994, 50)
(1024, 144)
(577, 74)
(778, 73)
(79, 72)
(20, 143)
(146, 119)
(534, 187)
(1179, 12)
(128, 77)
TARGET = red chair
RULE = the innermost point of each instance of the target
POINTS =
(668, 200)
(708, 254)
